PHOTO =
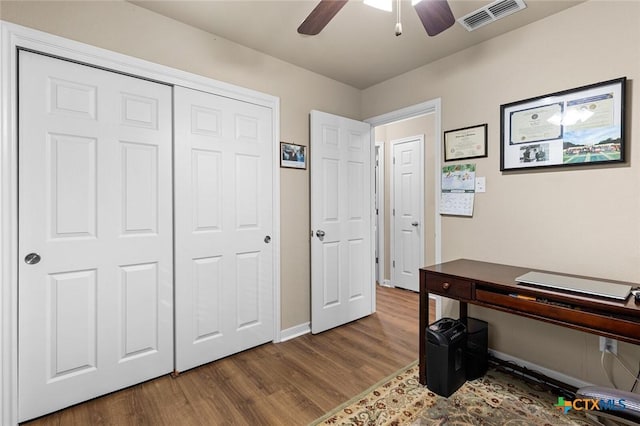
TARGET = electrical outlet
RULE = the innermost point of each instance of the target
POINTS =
(610, 345)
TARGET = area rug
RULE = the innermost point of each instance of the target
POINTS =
(498, 398)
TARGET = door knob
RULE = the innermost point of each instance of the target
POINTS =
(32, 258)
(414, 224)
(319, 233)
(267, 239)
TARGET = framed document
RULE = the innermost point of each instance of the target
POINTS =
(465, 143)
(533, 125)
(581, 126)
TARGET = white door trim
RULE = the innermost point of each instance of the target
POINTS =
(14, 36)
(392, 236)
(380, 200)
(429, 107)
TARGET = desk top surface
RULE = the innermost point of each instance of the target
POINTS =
(502, 277)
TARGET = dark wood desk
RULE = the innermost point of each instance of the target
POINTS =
(490, 285)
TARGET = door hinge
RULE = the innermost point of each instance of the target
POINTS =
(376, 211)
(394, 160)
(394, 263)
(376, 260)
(394, 212)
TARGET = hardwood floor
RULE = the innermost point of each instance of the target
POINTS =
(290, 383)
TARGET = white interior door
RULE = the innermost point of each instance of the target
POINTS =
(407, 236)
(224, 225)
(95, 233)
(341, 219)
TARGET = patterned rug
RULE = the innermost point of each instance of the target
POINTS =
(496, 399)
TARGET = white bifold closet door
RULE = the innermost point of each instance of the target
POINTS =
(95, 233)
(223, 226)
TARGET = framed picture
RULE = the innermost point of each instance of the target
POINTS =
(465, 143)
(576, 127)
(293, 156)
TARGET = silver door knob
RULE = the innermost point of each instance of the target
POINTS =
(319, 233)
(267, 239)
(414, 224)
(32, 258)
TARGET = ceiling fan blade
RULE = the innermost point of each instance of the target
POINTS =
(436, 15)
(320, 16)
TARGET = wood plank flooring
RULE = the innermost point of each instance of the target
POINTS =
(290, 383)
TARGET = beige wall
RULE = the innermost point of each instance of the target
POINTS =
(576, 220)
(128, 29)
(424, 125)
(563, 208)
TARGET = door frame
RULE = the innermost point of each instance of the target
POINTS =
(380, 178)
(433, 106)
(14, 37)
(392, 189)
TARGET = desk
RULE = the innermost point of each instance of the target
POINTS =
(489, 285)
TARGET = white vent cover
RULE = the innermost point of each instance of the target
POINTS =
(490, 13)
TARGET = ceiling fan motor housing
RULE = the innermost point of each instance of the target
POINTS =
(435, 15)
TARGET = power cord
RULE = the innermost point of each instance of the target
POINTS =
(533, 377)
(636, 377)
(633, 388)
(605, 370)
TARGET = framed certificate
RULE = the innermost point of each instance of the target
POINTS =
(465, 143)
(581, 126)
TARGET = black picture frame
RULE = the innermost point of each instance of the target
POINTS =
(465, 143)
(293, 156)
(576, 127)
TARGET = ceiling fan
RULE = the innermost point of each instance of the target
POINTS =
(435, 15)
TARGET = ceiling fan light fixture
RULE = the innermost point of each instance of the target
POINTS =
(386, 5)
(398, 29)
(435, 15)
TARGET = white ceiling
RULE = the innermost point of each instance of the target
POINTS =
(358, 47)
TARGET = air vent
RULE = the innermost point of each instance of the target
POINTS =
(490, 13)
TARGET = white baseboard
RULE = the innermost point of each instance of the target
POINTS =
(295, 331)
(546, 371)
(386, 283)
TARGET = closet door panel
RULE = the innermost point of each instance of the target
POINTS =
(224, 196)
(95, 233)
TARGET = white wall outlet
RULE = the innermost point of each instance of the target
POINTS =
(610, 345)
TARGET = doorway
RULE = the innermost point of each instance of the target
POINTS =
(429, 222)
(418, 119)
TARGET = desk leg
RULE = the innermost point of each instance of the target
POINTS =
(463, 310)
(424, 318)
